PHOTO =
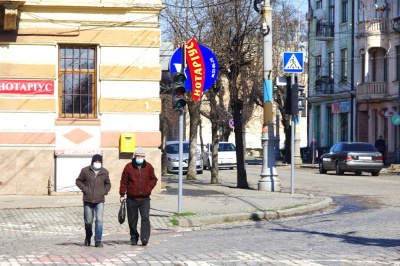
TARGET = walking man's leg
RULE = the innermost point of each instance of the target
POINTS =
(98, 231)
(132, 211)
(144, 209)
(88, 214)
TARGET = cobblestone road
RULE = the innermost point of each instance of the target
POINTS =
(362, 228)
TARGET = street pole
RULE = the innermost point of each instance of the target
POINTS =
(181, 114)
(269, 177)
(296, 160)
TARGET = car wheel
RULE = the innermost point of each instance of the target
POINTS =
(338, 171)
(321, 168)
(200, 172)
(375, 173)
(358, 172)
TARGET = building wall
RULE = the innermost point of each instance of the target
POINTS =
(333, 99)
(375, 32)
(35, 143)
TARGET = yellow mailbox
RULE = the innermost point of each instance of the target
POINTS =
(127, 143)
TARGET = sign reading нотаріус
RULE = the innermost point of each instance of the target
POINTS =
(27, 87)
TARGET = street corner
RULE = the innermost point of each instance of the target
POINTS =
(306, 208)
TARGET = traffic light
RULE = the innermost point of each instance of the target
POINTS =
(302, 98)
(178, 91)
(292, 99)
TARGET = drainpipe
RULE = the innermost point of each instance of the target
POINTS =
(398, 98)
(352, 104)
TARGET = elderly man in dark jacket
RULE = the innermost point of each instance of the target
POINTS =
(137, 182)
(94, 181)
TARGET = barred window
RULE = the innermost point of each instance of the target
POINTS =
(77, 81)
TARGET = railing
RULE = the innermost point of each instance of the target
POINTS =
(374, 26)
(325, 30)
(373, 89)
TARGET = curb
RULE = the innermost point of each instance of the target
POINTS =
(254, 216)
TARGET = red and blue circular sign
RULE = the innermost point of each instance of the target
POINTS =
(201, 67)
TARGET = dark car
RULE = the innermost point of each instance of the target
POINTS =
(354, 157)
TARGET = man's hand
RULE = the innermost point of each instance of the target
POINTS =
(121, 199)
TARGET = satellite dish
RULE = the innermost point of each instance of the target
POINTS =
(319, 14)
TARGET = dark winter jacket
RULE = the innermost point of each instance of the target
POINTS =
(137, 182)
(94, 187)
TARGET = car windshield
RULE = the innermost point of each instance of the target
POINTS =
(226, 147)
(174, 148)
(358, 147)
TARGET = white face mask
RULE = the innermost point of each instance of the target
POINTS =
(96, 166)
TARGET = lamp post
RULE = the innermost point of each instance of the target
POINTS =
(269, 177)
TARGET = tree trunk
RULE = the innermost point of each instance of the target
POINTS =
(194, 113)
(241, 170)
(214, 117)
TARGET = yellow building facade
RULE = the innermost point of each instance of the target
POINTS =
(76, 78)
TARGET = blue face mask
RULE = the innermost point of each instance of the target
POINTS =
(139, 161)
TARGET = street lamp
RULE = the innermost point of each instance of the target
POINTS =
(269, 177)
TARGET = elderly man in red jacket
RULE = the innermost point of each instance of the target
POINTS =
(137, 181)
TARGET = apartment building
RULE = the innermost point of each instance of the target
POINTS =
(76, 78)
(332, 90)
(377, 73)
(355, 72)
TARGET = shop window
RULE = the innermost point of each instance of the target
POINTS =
(77, 81)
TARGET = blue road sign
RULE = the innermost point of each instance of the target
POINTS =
(293, 62)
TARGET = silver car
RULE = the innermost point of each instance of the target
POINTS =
(172, 154)
(354, 157)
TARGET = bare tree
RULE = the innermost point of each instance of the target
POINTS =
(231, 30)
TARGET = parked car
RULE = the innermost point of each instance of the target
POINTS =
(172, 154)
(226, 155)
(354, 157)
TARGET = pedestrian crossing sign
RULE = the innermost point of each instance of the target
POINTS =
(293, 62)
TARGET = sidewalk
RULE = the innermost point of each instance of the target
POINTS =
(202, 203)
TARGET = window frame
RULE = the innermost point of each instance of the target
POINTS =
(398, 62)
(332, 11)
(345, 11)
(344, 65)
(89, 71)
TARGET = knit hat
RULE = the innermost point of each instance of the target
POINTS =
(97, 157)
(139, 152)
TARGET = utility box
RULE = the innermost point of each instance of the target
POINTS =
(127, 143)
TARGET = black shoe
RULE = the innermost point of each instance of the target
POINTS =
(134, 242)
(98, 244)
(87, 242)
(144, 242)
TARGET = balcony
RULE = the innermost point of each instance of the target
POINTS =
(377, 26)
(325, 31)
(373, 91)
(324, 85)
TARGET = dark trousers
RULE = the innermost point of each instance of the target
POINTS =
(134, 207)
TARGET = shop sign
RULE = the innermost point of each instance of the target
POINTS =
(201, 67)
(395, 119)
(390, 113)
(27, 87)
(78, 152)
(340, 107)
